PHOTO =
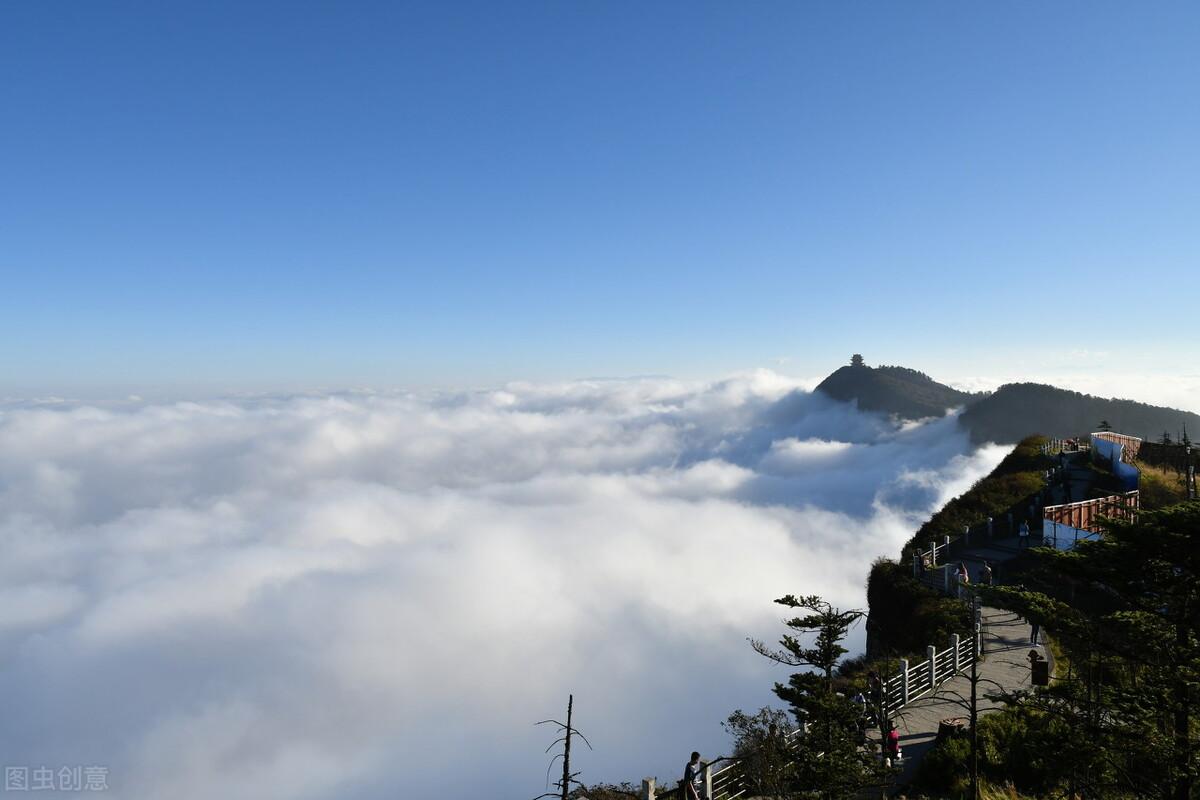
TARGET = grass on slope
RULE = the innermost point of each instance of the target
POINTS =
(1009, 487)
(1160, 486)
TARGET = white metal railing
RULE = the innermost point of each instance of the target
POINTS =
(910, 683)
(915, 681)
(725, 783)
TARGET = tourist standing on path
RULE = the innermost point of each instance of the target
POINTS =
(891, 746)
(964, 580)
(693, 779)
(1023, 535)
(860, 702)
(875, 692)
(860, 723)
(985, 575)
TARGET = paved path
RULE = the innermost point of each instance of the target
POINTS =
(1005, 648)
(1076, 482)
(995, 552)
(1005, 635)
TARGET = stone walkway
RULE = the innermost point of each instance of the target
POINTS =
(1005, 650)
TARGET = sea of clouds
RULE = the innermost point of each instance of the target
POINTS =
(376, 595)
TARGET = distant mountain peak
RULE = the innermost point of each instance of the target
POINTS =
(902, 391)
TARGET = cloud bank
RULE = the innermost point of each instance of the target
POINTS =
(358, 595)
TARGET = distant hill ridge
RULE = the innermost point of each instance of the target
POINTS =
(1008, 414)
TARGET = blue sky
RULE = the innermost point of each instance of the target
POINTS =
(285, 194)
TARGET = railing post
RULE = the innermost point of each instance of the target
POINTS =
(916, 565)
(946, 578)
(708, 780)
(954, 647)
(931, 654)
(903, 682)
(978, 608)
(647, 788)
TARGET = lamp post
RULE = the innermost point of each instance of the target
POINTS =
(976, 608)
(1191, 473)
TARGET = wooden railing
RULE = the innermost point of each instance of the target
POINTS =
(1087, 514)
(1130, 445)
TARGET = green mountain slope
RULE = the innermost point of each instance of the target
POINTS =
(893, 390)
(1018, 409)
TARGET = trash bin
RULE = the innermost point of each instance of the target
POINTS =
(951, 726)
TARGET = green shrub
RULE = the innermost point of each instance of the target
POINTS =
(907, 615)
(946, 768)
(1025, 747)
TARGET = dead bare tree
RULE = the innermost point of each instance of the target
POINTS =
(568, 732)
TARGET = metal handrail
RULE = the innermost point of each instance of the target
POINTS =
(921, 669)
(726, 783)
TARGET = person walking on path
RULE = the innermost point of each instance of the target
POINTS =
(964, 580)
(985, 574)
(1034, 632)
(1023, 534)
(693, 779)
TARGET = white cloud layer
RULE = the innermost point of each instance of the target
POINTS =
(365, 596)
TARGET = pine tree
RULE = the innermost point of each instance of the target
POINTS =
(830, 760)
(1132, 633)
(762, 746)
